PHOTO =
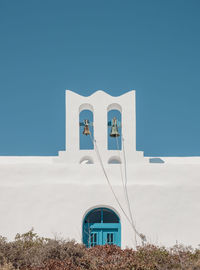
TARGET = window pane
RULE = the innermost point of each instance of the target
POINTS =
(94, 217)
(111, 240)
(109, 217)
(93, 239)
(108, 238)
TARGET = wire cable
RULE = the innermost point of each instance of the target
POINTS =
(124, 183)
(117, 200)
(105, 174)
(142, 236)
(121, 172)
(126, 190)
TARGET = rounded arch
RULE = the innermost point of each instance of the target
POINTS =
(101, 226)
(86, 106)
(114, 106)
(114, 160)
(100, 206)
(86, 160)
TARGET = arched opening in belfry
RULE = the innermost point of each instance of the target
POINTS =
(114, 130)
(101, 226)
(86, 129)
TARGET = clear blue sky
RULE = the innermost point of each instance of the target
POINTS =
(48, 46)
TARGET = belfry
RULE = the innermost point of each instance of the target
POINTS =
(100, 104)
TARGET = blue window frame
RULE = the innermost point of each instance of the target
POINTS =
(101, 226)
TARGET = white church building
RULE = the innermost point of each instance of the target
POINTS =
(100, 190)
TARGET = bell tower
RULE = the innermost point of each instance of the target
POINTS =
(100, 103)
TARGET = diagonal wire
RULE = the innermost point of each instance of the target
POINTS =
(142, 237)
(117, 200)
(126, 190)
(105, 174)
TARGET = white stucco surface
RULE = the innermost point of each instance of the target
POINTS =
(52, 194)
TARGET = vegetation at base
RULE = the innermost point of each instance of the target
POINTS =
(31, 252)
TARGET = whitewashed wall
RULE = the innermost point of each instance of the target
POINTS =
(53, 198)
(52, 194)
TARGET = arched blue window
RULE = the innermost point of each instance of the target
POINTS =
(86, 140)
(101, 226)
(114, 141)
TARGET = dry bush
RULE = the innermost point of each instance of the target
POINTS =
(7, 266)
(31, 252)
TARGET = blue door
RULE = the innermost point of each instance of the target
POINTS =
(94, 239)
(101, 226)
(110, 236)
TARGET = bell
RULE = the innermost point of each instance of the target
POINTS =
(86, 130)
(114, 128)
(114, 132)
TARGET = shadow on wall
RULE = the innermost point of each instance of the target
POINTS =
(86, 160)
(114, 160)
(156, 160)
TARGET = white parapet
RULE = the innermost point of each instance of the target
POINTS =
(100, 103)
